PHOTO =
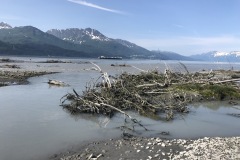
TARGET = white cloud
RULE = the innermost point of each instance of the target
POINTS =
(191, 45)
(84, 3)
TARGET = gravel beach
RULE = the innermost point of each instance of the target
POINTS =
(157, 148)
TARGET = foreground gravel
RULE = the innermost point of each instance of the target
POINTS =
(156, 148)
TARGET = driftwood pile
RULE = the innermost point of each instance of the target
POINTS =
(152, 94)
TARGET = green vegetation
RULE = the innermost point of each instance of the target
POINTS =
(211, 91)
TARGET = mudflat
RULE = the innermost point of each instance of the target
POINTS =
(18, 77)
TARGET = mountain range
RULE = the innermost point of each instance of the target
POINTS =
(73, 42)
(217, 56)
(88, 43)
(95, 43)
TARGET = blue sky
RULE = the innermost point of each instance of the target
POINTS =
(183, 26)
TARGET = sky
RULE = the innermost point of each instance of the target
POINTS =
(184, 26)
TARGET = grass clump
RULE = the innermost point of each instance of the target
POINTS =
(212, 91)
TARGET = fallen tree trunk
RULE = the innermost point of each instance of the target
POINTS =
(228, 80)
(57, 83)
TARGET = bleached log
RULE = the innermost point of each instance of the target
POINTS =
(150, 85)
(56, 82)
(155, 92)
(228, 80)
(105, 76)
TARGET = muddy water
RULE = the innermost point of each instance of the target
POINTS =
(32, 124)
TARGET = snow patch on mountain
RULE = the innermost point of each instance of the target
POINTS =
(237, 53)
(220, 54)
(4, 25)
(79, 36)
(94, 34)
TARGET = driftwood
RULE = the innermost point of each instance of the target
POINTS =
(96, 107)
(57, 83)
(150, 85)
(228, 80)
(151, 93)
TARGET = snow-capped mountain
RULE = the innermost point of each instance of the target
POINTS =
(219, 56)
(222, 54)
(91, 39)
(73, 42)
(29, 40)
(5, 26)
(78, 36)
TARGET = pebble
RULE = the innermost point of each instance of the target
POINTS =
(158, 140)
(205, 148)
(103, 151)
(156, 155)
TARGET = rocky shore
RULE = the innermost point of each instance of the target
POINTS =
(157, 148)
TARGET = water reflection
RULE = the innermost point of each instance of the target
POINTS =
(217, 105)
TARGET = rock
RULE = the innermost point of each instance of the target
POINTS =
(156, 155)
(104, 151)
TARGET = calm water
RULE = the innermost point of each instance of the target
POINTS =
(33, 125)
